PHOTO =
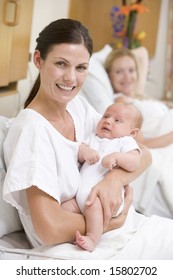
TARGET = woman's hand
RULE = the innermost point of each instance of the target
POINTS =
(118, 221)
(109, 191)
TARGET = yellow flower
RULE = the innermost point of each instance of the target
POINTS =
(141, 35)
(119, 45)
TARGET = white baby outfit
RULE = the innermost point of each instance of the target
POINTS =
(92, 174)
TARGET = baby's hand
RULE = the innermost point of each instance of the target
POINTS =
(92, 156)
(87, 154)
(109, 161)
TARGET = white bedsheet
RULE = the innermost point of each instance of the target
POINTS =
(142, 238)
(160, 173)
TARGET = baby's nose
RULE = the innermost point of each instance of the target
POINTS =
(109, 120)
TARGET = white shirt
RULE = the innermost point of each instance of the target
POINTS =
(37, 154)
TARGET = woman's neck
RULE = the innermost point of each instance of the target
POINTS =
(57, 115)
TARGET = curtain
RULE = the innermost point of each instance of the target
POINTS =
(168, 92)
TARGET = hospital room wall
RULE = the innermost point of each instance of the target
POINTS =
(46, 11)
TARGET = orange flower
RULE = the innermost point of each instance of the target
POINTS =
(139, 8)
(125, 10)
(121, 34)
(124, 23)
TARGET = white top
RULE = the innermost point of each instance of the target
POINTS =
(92, 174)
(37, 154)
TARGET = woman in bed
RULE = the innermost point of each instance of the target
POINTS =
(42, 144)
(122, 69)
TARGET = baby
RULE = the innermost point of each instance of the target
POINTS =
(112, 145)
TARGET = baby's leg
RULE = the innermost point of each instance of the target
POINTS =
(71, 206)
(94, 226)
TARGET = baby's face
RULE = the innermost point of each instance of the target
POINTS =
(116, 122)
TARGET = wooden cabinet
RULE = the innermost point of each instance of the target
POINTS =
(15, 29)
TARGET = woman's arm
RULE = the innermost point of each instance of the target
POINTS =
(156, 142)
(51, 222)
(109, 190)
(54, 225)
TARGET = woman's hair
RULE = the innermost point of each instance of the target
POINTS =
(118, 53)
(61, 31)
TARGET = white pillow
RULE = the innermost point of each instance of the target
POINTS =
(9, 218)
(97, 88)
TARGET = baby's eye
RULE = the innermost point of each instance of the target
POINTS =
(117, 120)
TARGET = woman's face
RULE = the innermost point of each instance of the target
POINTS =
(123, 75)
(63, 72)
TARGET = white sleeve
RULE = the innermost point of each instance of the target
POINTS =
(39, 158)
(128, 143)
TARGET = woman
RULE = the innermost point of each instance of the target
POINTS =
(42, 143)
(122, 70)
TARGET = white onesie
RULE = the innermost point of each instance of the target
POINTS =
(92, 174)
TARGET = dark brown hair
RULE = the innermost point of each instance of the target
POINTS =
(58, 32)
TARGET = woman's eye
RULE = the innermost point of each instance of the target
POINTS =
(60, 63)
(82, 68)
(132, 70)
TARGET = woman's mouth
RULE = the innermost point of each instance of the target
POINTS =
(65, 88)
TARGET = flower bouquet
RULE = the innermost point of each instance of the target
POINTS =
(124, 20)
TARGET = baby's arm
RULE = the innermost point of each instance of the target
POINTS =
(129, 161)
(87, 154)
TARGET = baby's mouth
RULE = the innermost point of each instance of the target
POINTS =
(105, 128)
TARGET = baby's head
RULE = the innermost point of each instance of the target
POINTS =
(120, 119)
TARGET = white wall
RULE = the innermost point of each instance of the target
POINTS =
(46, 11)
(155, 83)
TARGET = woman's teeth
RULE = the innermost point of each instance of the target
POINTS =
(66, 88)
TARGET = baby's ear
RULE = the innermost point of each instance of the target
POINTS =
(134, 132)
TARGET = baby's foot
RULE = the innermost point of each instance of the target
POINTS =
(84, 242)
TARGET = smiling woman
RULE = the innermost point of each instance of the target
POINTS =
(53, 122)
(41, 152)
(62, 75)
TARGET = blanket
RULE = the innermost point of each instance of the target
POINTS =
(160, 172)
(141, 238)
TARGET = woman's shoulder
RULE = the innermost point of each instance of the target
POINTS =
(28, 118)
(27, 124)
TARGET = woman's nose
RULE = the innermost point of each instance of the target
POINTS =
(70, 75)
